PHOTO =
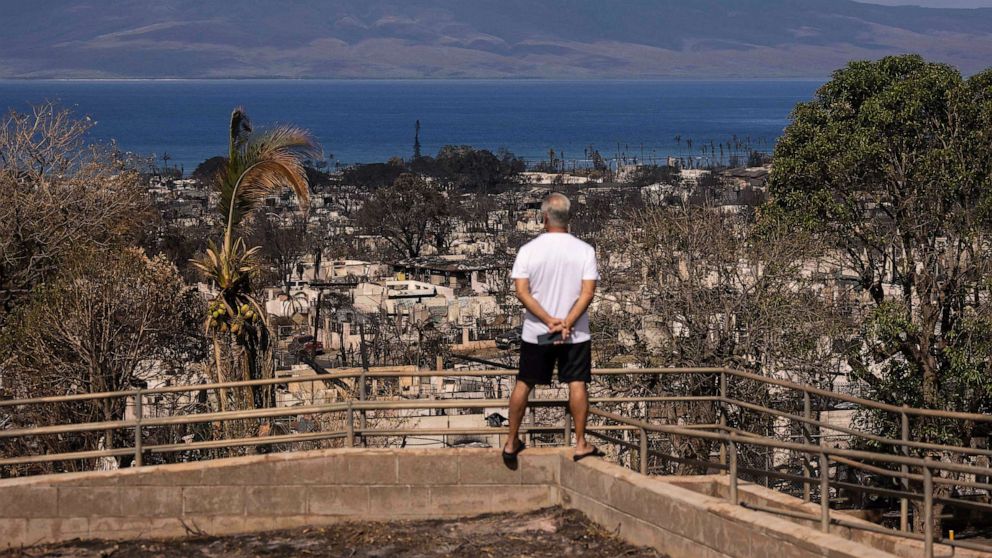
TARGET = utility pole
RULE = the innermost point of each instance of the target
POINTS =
(416, 141)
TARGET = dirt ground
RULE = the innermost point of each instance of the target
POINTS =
(546, 533)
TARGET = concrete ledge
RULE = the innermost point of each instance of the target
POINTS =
(685, 523)
(719, 486)
(273, 491)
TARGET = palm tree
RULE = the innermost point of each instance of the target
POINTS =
(258, 165)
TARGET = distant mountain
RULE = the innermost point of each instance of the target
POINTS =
(474, 38)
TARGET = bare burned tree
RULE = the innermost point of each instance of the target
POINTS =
(411, 214)
(693, 286)
(103, 319)
(60, 196)
(283, 240)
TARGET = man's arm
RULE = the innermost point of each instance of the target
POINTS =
(580, 306)
(522, 288)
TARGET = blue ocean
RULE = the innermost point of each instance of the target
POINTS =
(367, 121)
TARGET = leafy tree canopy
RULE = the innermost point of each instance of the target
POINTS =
(459, 166)
(891, 164)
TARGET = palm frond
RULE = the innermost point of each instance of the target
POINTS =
(262, 164)
(228, 266)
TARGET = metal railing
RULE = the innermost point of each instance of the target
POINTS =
(902, 466)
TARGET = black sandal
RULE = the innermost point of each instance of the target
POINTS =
(596, 452)
(512, 455)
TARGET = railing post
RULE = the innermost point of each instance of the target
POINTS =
(362, 396)
(568, 428)
(533, 422)
(807, 439)
(904, 502)
(733, 473)
(644, 452)
(363, 389)
(824, 492)
(349, 440)
(927, 511)
(723, 417)
(138, 461)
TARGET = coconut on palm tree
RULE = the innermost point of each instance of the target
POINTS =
(257, 166)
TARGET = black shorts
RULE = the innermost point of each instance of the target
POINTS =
(537, 362)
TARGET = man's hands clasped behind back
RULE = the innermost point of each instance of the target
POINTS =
(556, 325)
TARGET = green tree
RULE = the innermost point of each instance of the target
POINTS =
(890, 164)
(257, 165)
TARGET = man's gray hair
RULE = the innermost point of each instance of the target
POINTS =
(556, 206)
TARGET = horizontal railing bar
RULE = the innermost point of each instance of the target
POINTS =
(348, 373)
(882, 471)
(50, 457)
(407, 372)
(962, 482)
(911, 476)
(172, 448)
(410, 404)
(345, 374)
(492, 431)
(804, 448)
(833, 521)
(853, 399)
(171, 421)
(76, 428)
(866, 527)
(474, 403)
(657, 399)
(236, 442)
(889, 492)
(860, 433)
(293, 438)
(878, 470)
(656, 453)
(962, 503)
(283, 439)
(860, 488)
(864, 489)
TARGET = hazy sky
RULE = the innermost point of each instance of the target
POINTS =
(934, 3)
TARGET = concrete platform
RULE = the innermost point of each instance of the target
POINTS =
(275, 491)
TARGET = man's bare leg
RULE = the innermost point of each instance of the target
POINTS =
(518, 405)
(578, 405)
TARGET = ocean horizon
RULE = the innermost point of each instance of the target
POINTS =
(373, 120)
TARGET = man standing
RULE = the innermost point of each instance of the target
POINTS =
(555, 279)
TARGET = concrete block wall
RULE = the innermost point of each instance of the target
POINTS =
(719, 486)
(684, 517)
(273, 491)
(688, 524)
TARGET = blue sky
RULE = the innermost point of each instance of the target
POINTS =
(934, 3)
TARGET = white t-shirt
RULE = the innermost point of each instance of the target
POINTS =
(556, 264)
